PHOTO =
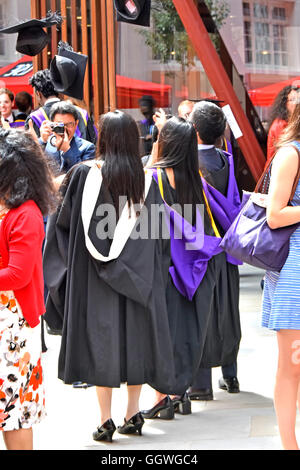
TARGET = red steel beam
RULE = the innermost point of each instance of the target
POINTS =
(220, 82)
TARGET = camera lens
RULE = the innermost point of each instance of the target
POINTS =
(59, 128)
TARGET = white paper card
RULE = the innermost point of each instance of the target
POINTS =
(232, 121)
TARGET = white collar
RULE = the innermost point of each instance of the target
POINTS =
(10, 118)
(205, 147)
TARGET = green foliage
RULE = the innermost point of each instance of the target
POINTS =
(168, 35)
(168, 38)
(219, 10)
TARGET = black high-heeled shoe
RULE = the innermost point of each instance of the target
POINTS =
(105, 432)
(164, 409)
(133, 425)
(182, 404)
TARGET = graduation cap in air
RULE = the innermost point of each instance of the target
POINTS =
(67, 71)
(133, 11)
(32, 38)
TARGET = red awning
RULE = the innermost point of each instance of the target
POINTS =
(265, 96)
(16, 75)
(129, 90)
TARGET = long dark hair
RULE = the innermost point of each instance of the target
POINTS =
(118, 147)
(24, 172)
(279, 108)
(178, 149)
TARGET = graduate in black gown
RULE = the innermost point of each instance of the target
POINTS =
(224, 332)
(106, 283)
(189, 310)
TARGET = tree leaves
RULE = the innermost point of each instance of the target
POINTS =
(168, 38)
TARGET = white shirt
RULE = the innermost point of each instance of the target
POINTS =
(10, 118)
(205, 147)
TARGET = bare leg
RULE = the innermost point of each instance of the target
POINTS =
(19, 439)
(104, 395)
(134, 392)
(287, 384)
(158, 397)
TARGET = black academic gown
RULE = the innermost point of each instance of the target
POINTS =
(113, 315)
(224, 329)
(189, 320)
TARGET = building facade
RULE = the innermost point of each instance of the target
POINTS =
(11, 13)
(256, 42)
(263, 40)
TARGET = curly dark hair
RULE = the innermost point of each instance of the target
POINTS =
(24, 172)
(42, 82)
(279, 109)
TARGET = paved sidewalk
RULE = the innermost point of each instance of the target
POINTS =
(238, 421)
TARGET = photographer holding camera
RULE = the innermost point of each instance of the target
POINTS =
(59, 138)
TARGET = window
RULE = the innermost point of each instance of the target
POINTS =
(260, 11)
(248, 42)
(262, 43)
(278, 14)
(265, 34)
(246, 9)
(280, 45)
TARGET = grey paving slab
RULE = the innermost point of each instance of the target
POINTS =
(244, 421)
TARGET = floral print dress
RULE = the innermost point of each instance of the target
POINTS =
(22, 400)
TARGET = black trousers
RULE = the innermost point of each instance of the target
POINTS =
(203, 379)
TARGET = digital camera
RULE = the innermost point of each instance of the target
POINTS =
(58, 127)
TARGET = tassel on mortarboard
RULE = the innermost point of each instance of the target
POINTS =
(32, 38)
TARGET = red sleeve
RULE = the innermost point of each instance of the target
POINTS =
(274, 133)
(24, 246)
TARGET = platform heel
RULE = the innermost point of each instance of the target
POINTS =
(167, 413)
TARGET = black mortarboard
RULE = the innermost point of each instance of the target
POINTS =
(133, 11)
(67, 70)
(31, 37)
(210, 100)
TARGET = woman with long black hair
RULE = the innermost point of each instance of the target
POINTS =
(191, 281)
(106, 283)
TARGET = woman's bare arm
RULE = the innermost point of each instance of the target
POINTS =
(284, 171)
